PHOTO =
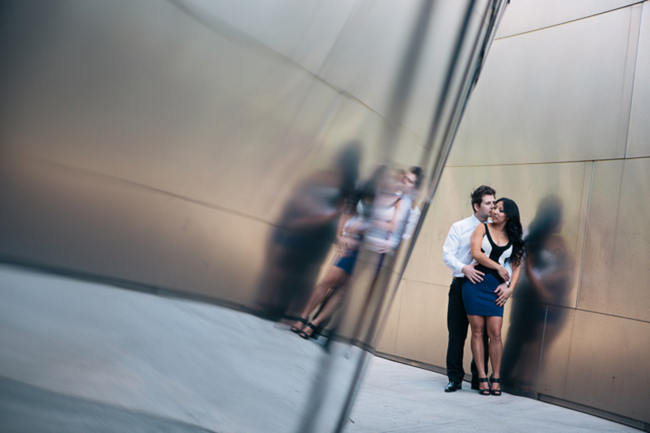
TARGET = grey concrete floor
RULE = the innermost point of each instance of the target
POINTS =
(395, 397)
(80, 357)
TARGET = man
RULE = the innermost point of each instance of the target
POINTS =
(456, 255)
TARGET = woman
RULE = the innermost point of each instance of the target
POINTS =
(496, 246)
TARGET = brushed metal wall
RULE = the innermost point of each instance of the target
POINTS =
(160, 144)
(206, 114)
(559, 116)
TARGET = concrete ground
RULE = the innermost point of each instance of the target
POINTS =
(399, 398)
(84, 357)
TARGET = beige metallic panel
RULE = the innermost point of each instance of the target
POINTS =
(528, 15)
(233, 136)
(608, 364)
(598, 256)
(422, 330)
(303, 31)
(554, 366)
(542, 105)
(388, 337)
(616, 276)
(528, 185)
(96, 225)
(351, 119)
(366, 58)
(639, 136)
(531, 335)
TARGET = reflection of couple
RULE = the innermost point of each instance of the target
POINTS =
(378, 218)
(484, 257)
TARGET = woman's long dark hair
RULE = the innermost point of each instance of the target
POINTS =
(513, 230)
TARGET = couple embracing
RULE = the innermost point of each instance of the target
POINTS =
(484, 253)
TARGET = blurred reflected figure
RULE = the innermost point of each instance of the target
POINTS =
(391, 209)
(303, 235)
(547, 279)
(393, 205)
(352, 227)
(379, 215)
(413, 180)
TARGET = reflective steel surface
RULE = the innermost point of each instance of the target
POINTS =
(638, 144)
(526, 15)
(227, 154)
(558, 122)
(617, 235)
(600, 44)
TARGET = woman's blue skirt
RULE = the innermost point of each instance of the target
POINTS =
(347, 261)
(479, 299)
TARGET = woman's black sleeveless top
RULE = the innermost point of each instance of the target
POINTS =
(499, 254)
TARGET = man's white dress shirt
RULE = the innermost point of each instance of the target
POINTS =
(456, 250)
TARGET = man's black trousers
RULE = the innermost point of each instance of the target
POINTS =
(457, 324)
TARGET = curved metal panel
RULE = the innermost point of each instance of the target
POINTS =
(618, 379)
(422, 318)
(638, 143)
(208, 150)
(306, 36)
(576, 328)
(529, 15)
(617, 248)
(543, 106)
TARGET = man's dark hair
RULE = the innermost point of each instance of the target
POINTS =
(477, 195)
(417, 171)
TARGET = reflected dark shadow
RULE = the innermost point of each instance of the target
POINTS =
(303, 235)
(537, 315)
(328, 293)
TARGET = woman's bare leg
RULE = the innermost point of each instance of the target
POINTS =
(334, 277)
(477, 324)
(331, 305)
(495, 346)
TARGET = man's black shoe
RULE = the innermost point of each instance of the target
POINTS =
(475, 382)
(453, 386)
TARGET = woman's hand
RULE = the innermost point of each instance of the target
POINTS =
(347, 243)
(503, 273)
(503, 294)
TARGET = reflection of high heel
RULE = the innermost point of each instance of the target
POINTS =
(297, 329)
(303, 333)
(495, 391)
(483, 391)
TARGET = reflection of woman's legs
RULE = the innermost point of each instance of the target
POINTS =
(477, 323)
(495, 345)
(334, 277)
(331, 304)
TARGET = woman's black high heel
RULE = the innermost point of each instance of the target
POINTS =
(303, 332)
(483, 391)
(495, 391)
(297, 329)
